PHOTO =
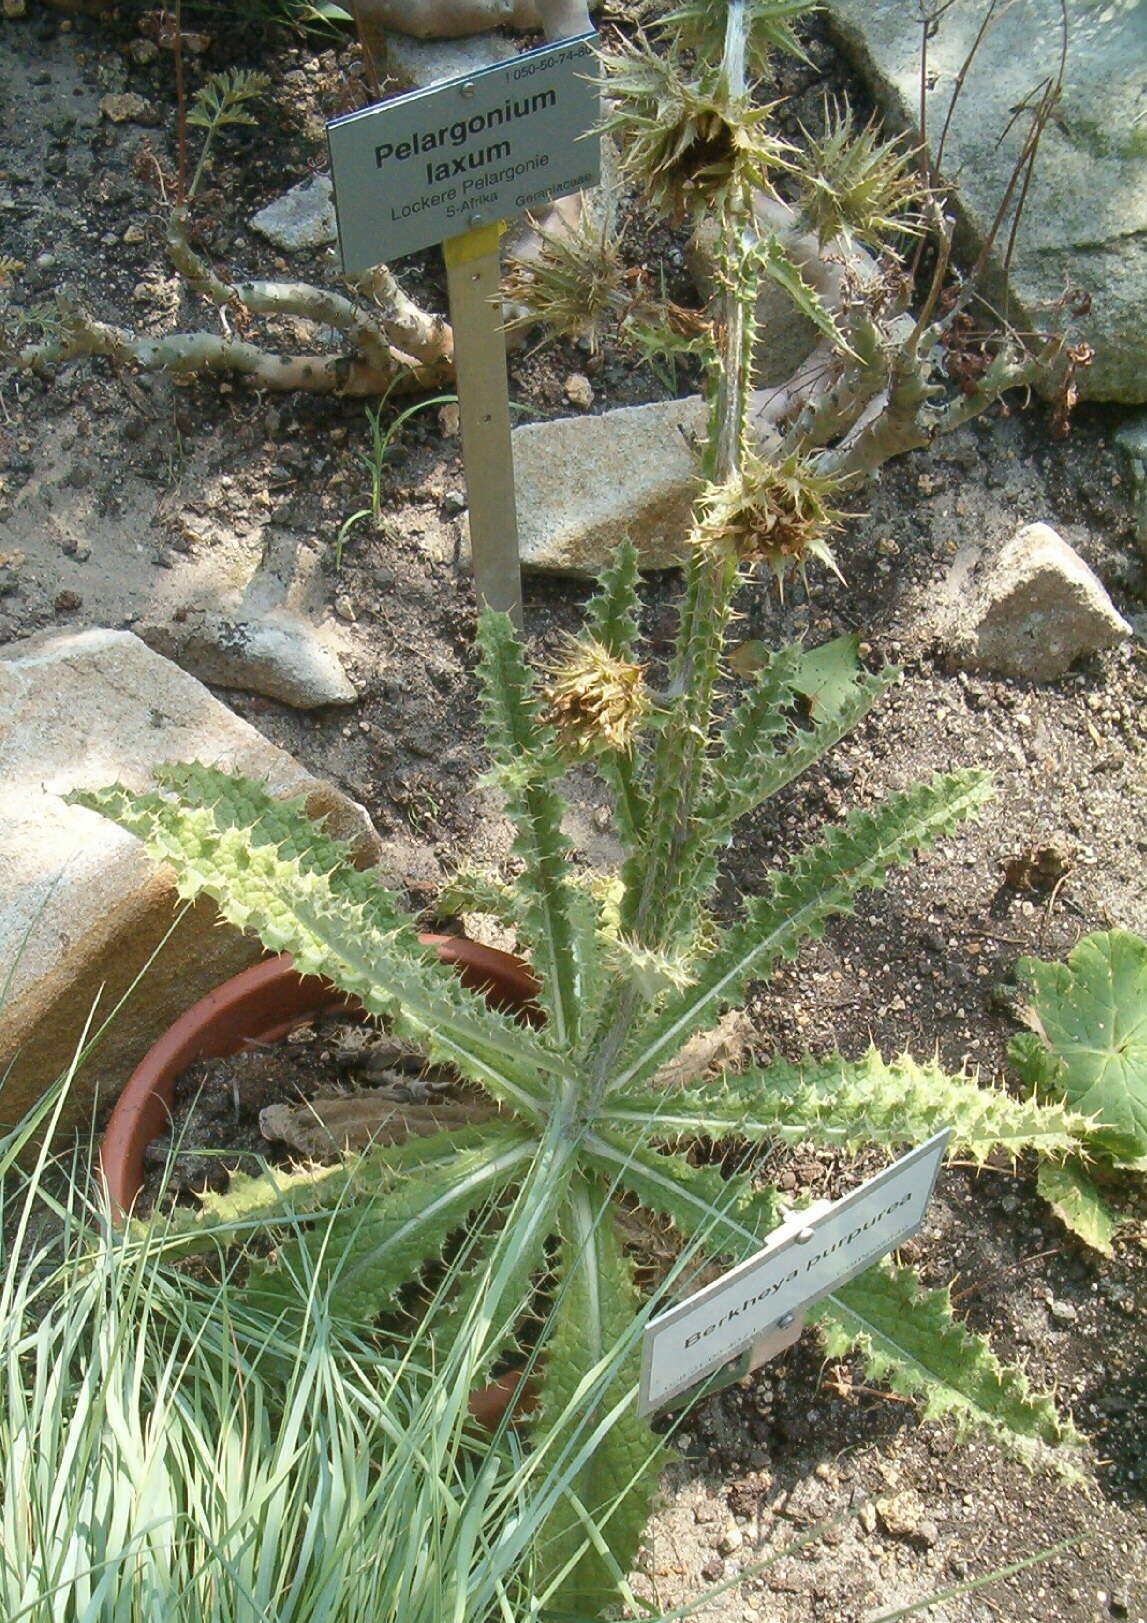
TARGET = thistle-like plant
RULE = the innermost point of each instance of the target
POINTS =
(588, 1128)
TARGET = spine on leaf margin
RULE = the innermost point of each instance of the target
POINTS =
(821, 883)
(909, 1337)
(527, 763)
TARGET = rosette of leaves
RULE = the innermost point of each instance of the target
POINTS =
(582, 1117)
(1088, 1046)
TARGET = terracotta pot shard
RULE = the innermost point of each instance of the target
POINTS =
(261, 1005)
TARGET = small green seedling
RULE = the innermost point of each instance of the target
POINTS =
(374, 461)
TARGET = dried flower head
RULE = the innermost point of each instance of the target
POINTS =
(776, 513)
(595, 699)
(684, 143)
(577, 284)
(856, 185)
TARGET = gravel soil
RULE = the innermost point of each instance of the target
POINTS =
(122, 496)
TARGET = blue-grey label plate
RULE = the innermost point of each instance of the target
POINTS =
(418, 169)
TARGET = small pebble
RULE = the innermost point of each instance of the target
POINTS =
(127, 108)
(344, 608)
(579, 391)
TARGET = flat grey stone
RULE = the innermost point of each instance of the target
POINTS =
(302, 218)
(1085, 216)
(280, 654)
(1032, 611)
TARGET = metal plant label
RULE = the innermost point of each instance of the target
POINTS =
(418, 169)
(809, 1256)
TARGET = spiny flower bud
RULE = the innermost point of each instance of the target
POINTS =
(856, 185)
(684, 140)
(773, 513)
(594, 698)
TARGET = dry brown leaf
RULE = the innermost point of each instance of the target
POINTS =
(724, 1046)
(324, 1126)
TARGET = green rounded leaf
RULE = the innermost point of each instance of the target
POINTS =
(1090, 1019)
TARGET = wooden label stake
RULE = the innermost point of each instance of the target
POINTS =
(473, 274)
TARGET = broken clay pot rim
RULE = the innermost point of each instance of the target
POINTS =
(262, 1004)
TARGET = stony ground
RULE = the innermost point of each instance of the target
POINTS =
(127, 501)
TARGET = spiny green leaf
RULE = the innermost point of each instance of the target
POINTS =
(469, 891)
(613, 1490)
(763, 714)
(494, 1288)
(266, 865)
(701, 25)
(610, 615)
(237, 803)
(1078, 1204)
(753, 767)
(610, 618)
(908, 1337)
(668, 877)
(851, 1103)
(820, 884)
(1090, 1014)
(432, 1185)
(781, 269)
(724, 1215)
(251, 1200)
(526, 765)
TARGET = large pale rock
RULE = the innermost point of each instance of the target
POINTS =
(84, 908)
(1032, 611)
(280, 654)
(1085, 215)
(583, 483)
(449, 19)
